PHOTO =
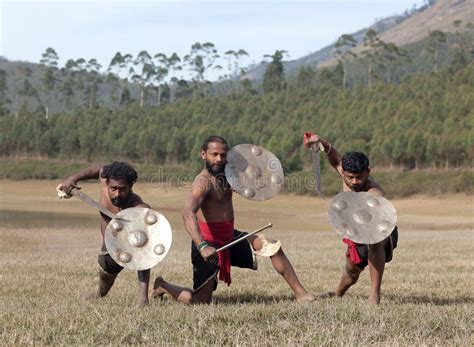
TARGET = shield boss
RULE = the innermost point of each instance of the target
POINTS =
(254, 172)
(362, 217)
(141, 243)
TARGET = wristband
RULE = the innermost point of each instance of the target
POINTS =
(202, 245)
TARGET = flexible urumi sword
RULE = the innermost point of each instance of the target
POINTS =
(80, 195)
(315, 149)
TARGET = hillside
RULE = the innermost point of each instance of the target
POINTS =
(85, 85)
(402, 30)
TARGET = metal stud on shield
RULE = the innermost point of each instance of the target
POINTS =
(141, 243)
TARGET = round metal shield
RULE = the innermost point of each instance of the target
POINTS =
(141, 243)
(362, 217)
(254, 172)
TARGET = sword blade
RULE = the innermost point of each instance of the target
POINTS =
(269, 225)
(317, 168)
(80, 195)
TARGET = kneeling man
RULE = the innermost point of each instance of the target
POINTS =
(209, 219)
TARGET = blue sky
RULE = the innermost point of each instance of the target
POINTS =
(98, 29)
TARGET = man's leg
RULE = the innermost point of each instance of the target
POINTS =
(283, 266)
(376, 268)
(143, 283)
(349, 277)
(182, 294)
(108, 272)
(106, 281)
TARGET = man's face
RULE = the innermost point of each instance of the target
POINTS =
(355, 181)
(215, 157)
(119, 191)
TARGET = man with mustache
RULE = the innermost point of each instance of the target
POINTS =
(354, 169)
(209, 219)
(117, 180)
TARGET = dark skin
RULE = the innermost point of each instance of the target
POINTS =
(210, 201)
(357, 182)
(116, 195)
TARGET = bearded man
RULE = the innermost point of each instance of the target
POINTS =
(208, 217)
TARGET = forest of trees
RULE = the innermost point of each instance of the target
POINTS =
(424, 121)
(399, 119)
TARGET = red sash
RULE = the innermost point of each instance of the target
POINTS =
(353, 255)
(220, 233)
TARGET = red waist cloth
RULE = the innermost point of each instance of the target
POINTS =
(353, 255)
(220, 233)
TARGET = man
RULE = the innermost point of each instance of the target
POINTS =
(209, 219)
(117, 180)
(354, 169)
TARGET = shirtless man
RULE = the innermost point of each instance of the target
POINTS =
(354, 169)
(117, 180)
(209, 219)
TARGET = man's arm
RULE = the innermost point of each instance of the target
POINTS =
(193, 203)
(87, 174)
(333, 156)
(374, 187)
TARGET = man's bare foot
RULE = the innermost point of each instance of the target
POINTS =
(327, 295)
(158, 290)
(374, 299)
(142, 303)
(307, 297)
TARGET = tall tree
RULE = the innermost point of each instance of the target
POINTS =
(372, 53)
(93, 81)
(343, 51)
(160, 73)
(201, 60)
(274, 77)
(113, 78)
(49, 60)
(146, 69)
(26, 94)
(174, 65)
(436, 40)
(392, 55)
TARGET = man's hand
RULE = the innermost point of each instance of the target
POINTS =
(208, 253)
(67, 186)
(309, 139)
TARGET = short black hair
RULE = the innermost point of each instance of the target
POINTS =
(355, 162)
(119, 171)
(214, 138)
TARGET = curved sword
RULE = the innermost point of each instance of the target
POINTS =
(80, 195)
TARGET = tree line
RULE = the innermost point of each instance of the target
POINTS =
(423, 121)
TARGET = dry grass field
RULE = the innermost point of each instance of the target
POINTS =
(48, 253)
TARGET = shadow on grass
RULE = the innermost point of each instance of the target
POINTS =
(249, 298)
(423, 299)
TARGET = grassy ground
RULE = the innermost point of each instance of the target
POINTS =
(48, 254)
